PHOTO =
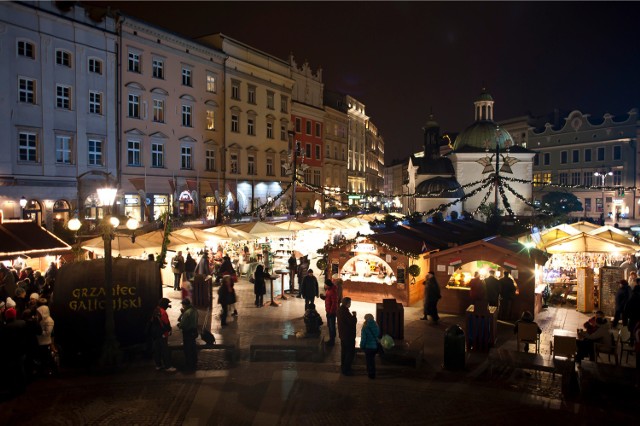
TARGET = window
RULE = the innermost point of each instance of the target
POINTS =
(251, 94)
(211, 119)
(134, 62)
(250, 126)
(600, 154)
(328, 153)
(27, 90)
(318, 130)
(575, 156)
(95, 152)
(133, 106)
(283, 132)
(269, 130)
(307, 151)
(26, 49)
(186, 116)
(298, 125)
(587, 204)
(186, 76)
(27, 147)
(210, 160)
(235, 90)
(211, 83)
(63, 58)
(546, 178)
(617, 152)
(316, 177)
(157, 68)
(270, 100)
(563, 157)
(307, 176)
(537, 179)
(234, 163)
(308, 127)
(587, 155)
(95, 102)
(599, 206)
(283, 169)
(235, 123)
(547, 159)
(270, 171)
(133, 153)
(617, 177)
(575, 178)
(63, 96)
(185, 158)
(587, 178)
(63, 149)
(284, 104)
(95, 66)
(318, 152)
(158, 110)
(562, 178)
(536, 159)
(251, 164)
(157, 155)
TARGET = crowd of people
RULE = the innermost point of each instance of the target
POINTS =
(26, 322)
(493, 292)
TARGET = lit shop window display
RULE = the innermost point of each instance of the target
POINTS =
(368, 268)
(460, 278)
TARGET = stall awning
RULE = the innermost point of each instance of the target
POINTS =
(26, 238)
(585, 243)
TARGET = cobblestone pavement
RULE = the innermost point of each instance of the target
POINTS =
(283, 389)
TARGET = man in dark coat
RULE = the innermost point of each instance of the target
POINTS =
(293, 268)
(347, 331)
(507, 293)
(432, 295)
(309, 289)
(177, 267)
(15, 337)
(631, 311)
(492, 287)
(622, 297)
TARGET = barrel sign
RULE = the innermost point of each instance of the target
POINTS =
(78, 303)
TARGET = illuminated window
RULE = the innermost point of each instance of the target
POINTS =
(211, 119)
(211, 83)
(158, 110)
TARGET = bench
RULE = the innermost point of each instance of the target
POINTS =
(403, 350)
(287, 342)
(522, 360)
(225, 343)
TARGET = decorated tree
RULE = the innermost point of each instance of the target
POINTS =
(561, 203)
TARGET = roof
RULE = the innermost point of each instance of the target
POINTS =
(406, 243)
(26, 238)
(484, 96)
(481, 133)
(433, 166)
(447, 234)
(440, 187)
(502, 244)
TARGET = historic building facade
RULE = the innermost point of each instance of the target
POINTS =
(59, 107)
(336, 123)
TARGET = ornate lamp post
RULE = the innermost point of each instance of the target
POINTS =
(23, 204)
(603, 175)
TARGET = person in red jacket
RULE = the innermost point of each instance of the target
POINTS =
(160, 331)
(477, 293)
(331, 306)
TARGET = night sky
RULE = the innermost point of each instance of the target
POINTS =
(406, 59)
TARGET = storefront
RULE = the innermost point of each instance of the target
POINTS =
(377, 267)
(455, 267)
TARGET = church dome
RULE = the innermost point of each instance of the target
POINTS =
(485, 96)
(481, 133)
(440, 187)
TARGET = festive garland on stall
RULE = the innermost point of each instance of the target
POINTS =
(563, 185)
(484, 200)
(162, 257)
(527, 202)
(268, 204)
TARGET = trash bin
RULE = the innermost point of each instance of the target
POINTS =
(454, 348)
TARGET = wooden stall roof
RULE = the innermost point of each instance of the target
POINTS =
(448, 234)
(26, 238)
(404, 243)
(501, 244)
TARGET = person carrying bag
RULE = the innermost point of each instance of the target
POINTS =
(370, 344)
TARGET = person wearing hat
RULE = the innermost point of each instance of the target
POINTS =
(309, 289)
(331, 307)
(188, 323)
(160, 329)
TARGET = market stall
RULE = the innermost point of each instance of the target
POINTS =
(455, 267)
(379, 267)
(25, 243)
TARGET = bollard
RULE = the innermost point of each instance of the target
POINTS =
(454, 348)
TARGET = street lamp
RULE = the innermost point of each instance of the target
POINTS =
(23, 204)
(603, 175)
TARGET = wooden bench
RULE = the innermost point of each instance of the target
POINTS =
(225, 343)
(403, 350)
(289, 342)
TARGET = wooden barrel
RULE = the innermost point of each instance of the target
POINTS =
(77, 305)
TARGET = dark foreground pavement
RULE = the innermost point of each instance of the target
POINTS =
(290, 390)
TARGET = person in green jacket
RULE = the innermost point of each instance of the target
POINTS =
(188, 323)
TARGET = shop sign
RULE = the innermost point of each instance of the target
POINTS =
(210, 200)
(185, 196)
(354, 197)
(364, 248)
(455, 261)
(160, 199)
(131, 200)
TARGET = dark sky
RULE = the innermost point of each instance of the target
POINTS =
(406, 59)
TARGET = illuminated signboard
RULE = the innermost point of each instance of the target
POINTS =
(364, 248)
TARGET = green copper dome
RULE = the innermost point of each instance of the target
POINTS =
(484, 96)
(481, 133)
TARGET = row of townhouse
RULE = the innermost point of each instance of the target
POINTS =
(190, 126)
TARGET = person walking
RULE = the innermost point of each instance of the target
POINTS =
(189, 267)
(177, 267)
(188, 323)
(331, 308)
(293, 268)
(347, 330)
(46, 363)
(369, 343)
(507, 293)
(309, 289)
(303, 267)
(492, 287)
(431, 297)
(160, 330)
(223, 298)
(622, 297)
(259, 285)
